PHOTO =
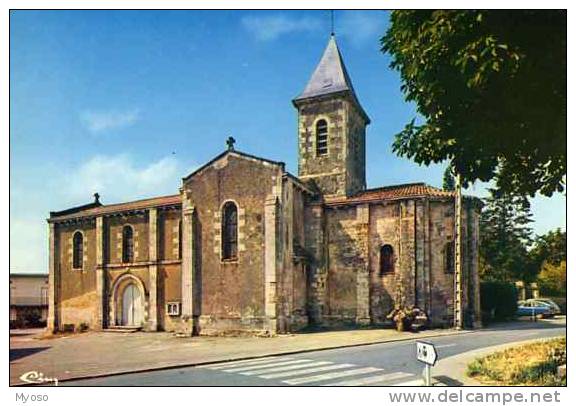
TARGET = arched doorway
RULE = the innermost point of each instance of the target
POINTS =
(132, 306)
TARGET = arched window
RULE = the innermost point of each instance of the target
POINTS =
(321, 137)
(77, 250)
(180, 239)
(449, 257)
(386, 259)
(127, 244)
(229, 231)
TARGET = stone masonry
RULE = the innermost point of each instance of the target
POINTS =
(245, 247)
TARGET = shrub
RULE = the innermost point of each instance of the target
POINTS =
(498, 301)
(529, 364)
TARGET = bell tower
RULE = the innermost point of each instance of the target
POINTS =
(331, 129)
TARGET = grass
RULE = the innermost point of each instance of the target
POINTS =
(532, 364)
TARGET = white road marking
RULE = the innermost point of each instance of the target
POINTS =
(371, 379)
(332, 375)
(416, 382)
(274, 364)
(245, 362)
(305, 371)
(445, 345)
(285, 368)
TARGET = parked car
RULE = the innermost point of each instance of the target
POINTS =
(534, 309)
(548, 302)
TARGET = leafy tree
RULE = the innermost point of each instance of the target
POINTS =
(448, 182)
(550, 247)
(552, 279)
(505, 237)
(491, 87)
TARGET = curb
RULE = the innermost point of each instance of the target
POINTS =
(221, 361)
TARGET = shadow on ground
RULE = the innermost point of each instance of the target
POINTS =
(446, 380)
(17, 353)
(523, 324)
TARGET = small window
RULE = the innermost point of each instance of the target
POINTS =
(229, 231)
(127, 244)
(386, 259)
(77, 250)
(449, 257)
(173, 308)
(321, 137)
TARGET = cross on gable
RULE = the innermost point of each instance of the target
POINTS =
(230, 142)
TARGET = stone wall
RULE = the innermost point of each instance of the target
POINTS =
(418, 231)
(232, 292)
(115, 225)
(356, 150)
(169, 287)
(77, 287)
(342, 170)
(317, 265)
(384, 230)
(292, 278)
(85, 296)
(300, 265)
(345, 258)
(168, 234)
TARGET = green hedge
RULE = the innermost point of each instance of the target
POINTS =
(498, 301)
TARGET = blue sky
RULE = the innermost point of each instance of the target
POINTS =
(126, 103)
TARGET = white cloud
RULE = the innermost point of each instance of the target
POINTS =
(119, 178)
(361, 26)
(100, 121)
(270, 27)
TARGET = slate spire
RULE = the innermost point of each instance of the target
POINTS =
(330, 76)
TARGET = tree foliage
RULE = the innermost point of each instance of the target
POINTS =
(498, 300)
(548, 257)
(550, 247)
(552, 279)
(491, 86)
(505, 237)
(448, 182)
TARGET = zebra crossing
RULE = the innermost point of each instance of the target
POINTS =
(301, 371)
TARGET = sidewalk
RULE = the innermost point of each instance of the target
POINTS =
(95, 354)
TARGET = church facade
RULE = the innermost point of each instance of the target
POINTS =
(245, 246)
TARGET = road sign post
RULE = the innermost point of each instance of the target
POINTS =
(427, 378)
(426, 353)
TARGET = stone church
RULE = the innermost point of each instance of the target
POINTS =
(246, 246)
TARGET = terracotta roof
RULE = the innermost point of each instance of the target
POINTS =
(395, 192)
(121, 207)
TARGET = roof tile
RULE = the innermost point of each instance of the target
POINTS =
(391, 193)
(120, 207)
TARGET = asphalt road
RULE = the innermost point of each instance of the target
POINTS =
(380, 364)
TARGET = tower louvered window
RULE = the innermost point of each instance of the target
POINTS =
(321, 137)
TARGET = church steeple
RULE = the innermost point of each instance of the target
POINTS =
(330, 76)
(331, 128)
